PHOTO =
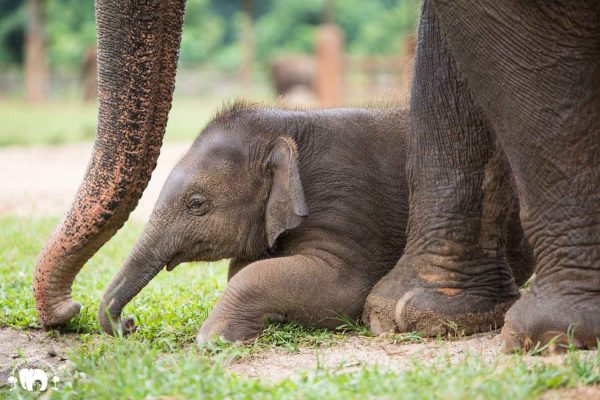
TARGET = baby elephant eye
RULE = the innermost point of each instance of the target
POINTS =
(197, 204)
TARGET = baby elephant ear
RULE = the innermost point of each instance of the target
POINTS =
(286, 205)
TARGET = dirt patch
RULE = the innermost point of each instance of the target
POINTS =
(356, 352)
(577, 393)
(43, 180)
(28, 348)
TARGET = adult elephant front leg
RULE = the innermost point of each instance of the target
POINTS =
(534, 67)
(310, 289)
(138, 45)
(453, 272)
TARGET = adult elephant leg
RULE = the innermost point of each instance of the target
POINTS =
(138, 45)
(453, 273)
(533, 67)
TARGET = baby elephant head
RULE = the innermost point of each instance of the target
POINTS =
(232, 195)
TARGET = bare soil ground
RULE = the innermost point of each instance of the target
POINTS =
(357, 352)
(43, 180)
(33, 347)
(346, 356)
(577, 393)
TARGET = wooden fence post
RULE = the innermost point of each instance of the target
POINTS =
(36, 64)
(330, 51)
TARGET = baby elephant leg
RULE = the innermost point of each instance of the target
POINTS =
(301, 288)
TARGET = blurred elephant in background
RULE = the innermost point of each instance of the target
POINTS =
(294, 79)
(293, 71)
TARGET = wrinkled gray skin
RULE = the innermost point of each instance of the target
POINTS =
(310, 206)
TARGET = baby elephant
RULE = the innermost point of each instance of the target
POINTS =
(311, 207)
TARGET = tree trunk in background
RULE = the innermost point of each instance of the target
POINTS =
(330, 54)
(36, 65)
(247, 44)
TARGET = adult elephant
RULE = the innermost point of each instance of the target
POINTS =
(527, 75)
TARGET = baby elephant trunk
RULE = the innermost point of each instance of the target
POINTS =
(141, 266)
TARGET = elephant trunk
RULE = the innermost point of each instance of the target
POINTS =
(138, 44)
(140, 267)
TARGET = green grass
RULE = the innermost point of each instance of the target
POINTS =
(70, 121)
(161, 358)
(169, 311)
(191, 375)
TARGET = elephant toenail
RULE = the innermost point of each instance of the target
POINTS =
(401, 311)
(450, 291)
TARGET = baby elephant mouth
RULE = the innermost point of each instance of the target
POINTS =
(181, 257)
(177, 259)
(198, 254)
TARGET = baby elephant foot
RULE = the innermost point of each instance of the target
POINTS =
(552, 323)
(419, 296)
(229, 329)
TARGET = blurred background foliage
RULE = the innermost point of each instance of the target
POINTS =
(260, 50)
(212, 29)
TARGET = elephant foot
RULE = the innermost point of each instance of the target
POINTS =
(552, 323)
(420, 296)
(59, 314)
(238, 330)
